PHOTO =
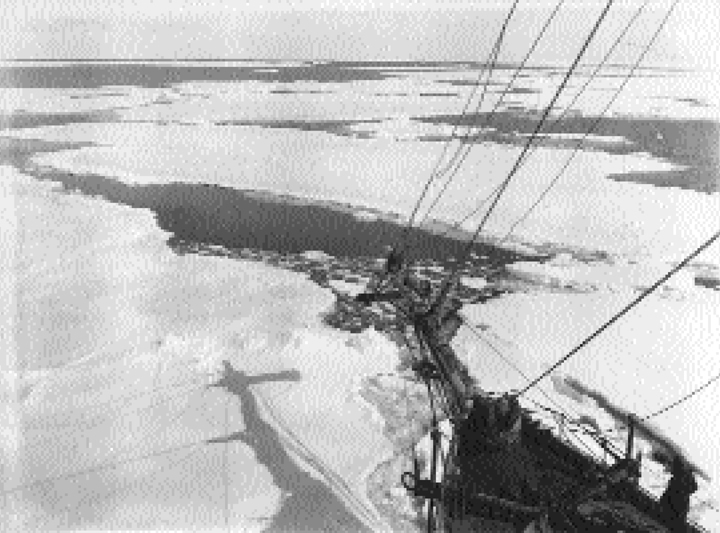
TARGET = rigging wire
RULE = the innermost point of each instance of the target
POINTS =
(527, 146)
(457, 160)
(103, 466)
(118, 491)
(444, 401)
(683, 399)
(596, 122)
(590, 130)
(106, 464)
(297, 446)
(70, 428)
(226, 470)
(433, 467)
(553, 126)
(526, 377)
(88, 499)
(622, 312)
(599, 436)
(407, 417)
(491, 60)
(560, 410)
(436, 171)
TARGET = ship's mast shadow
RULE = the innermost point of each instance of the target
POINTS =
(307, 504)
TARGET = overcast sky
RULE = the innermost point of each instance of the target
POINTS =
(353, 30)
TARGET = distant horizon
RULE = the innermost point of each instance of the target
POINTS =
(366, 31)
(406, 62)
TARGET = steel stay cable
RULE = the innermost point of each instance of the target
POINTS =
(443, 401)
(106, 464)
(103, 466)
(124, 448)
(408, 419)
(111, 464)
(226, 470)
(525, 376)
(404, 451)
(582, 443)
(488, 120)
(622, 312)
(172, 464)
(120, 490)
(602, 63)
(440, 390)
(529, 142)
(595, 123)
(467, 217)
(67, 429)
(444, 456)
(679, 401)
(448, 167)
(552, 127)
(559, 410)
(434, 174)
(683, 399)
(124, 399)
(491, 61)
(299, 447)
(433, 467)
(603, 442)
(592, 128)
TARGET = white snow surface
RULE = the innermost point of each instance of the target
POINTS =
(110, 338)
(213, 132)
(664, 348)
(98, 406)
(564, 271)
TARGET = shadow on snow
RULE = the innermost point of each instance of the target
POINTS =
(307, 504)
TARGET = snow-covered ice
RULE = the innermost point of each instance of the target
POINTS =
(108, 412)
(113, 337)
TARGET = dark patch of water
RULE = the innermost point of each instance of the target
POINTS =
(95, 75)
(692, 144)
(248, 219)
